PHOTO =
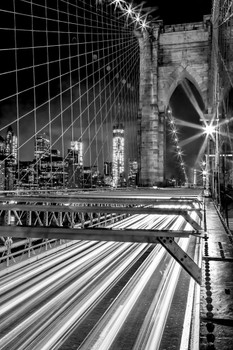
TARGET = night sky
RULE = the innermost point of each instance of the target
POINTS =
(170, 11)
(181, 11)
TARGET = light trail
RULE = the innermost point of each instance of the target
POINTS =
(19, 277)
(44, 282)
(152, 330)
(83, 287)
(113, 320)
(44, 310)
(88, 300)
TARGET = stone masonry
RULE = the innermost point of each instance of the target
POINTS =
(168, 55)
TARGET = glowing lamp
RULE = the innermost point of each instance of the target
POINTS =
(209, 129)
(137, 17)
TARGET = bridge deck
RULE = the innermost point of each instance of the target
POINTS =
(66, 218)
(217, 283)
(216, 304)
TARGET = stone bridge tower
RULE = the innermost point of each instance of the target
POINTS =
(168, 55)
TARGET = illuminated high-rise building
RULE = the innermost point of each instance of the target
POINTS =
(42, 146)
(132, 172)
(11, 145)
(52, 173)
(118, 154)
(11, 158)
(2, 164)
(74, 164)
(77, 149)
(2, 146)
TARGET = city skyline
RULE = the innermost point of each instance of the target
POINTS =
(63, 90)
(66, 93)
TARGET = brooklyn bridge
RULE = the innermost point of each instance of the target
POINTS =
(116, 177)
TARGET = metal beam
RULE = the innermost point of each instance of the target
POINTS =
(96, 209)
(182, 258)
(100, 234)
(166, 238)
(113, 199)
(102, 209)
(192, 222)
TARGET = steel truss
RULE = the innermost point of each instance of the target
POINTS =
(87, 218)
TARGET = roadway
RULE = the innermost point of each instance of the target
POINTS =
(101, 295)
(107, 294)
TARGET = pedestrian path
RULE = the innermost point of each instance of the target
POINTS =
(216, 309)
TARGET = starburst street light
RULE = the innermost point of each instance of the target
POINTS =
(210, 168)
(212, 133)
(179, 153)
(209, 129)
(129, 10)
(118, 3)
(133, 12)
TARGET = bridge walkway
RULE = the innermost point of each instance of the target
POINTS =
(216, 309)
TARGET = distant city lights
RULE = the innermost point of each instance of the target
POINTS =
(179, 153)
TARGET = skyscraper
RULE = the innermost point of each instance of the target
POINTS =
(11, 145)
(42, 146)
(2, 146)
(77, 150)
(118, 154)
(74, 161)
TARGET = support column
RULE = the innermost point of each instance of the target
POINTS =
(150, 121)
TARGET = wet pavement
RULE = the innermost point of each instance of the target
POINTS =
(216, 309)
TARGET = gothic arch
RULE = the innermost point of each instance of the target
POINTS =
(166, 88)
